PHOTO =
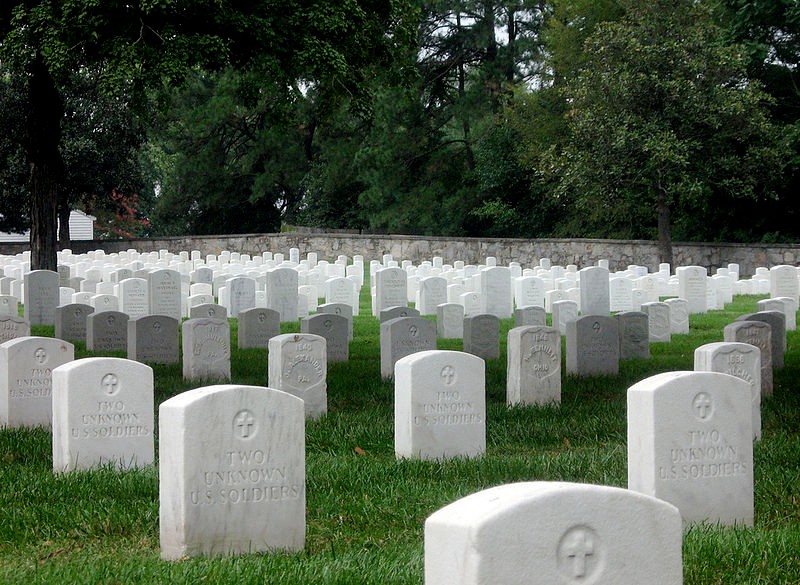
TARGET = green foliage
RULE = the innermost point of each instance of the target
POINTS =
(663, 116)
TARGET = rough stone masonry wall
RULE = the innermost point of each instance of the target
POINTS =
(582, 252)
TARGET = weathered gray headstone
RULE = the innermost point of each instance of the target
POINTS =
(211, 310)
(482, 336)
(154, 339)
(390, 313)
(658, 322)
(534, 365)
(71, 321)
(333, 328)
(257, 326)
(102, 414)
(593, 346)
(403, 336)
(231, 472)
(107, 331)
(564, 311)
(165, 293)
(633, 335)
(342, 309)
(777, 322)
(530, 315)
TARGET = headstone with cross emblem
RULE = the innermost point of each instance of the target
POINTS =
(530, 315)
(439, 405)
(102, 414)
(690, 443)
(342, 309)
(693, 286)
(211, 310)
(71, 321)
(26, 365)
(593, 346)
(257, 326)
(554, 532)
(403, 336)
(390, 289)
(165, 293)
(241, 294)
(107, 331)
(777, 322)
(390, 313)
(333, 328)
(678, 315)
(342, 291)
(154, 339)
(206, 349)
(297, 364)
(231, 472)
(534, 365)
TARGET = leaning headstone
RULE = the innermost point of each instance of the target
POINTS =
(231, 472)
(211, 310)
(333, 328)
(102, 414)
(256, 327)
(634, 337)
(777, 322)
(593, 346)
(403, 336)
(533, 374)
(297, 365)
(450, 321)
(440, 406)
(658, 322)
(390, 313)
(554, 533)
(758, 334)
(71, 322)
(482, 336)
(107, 331)
(737, 359)
(154, 339)
(206, 349)
(13, 327)
(594, 291)
(690, 443)
(41, 297)
(26, 366)
(530, 315)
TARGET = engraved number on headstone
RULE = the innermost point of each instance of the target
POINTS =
(579, 554)
(244, 424)
(40, 355)
(110, 384)
(449, 375)
(703, 406)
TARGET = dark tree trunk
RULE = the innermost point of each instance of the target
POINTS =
(63, 224)
(43, 135)
(664, 229)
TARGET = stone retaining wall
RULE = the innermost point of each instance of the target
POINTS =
(582, 252)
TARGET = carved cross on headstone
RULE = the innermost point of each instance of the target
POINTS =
(702, 404)
(578, 548)
(449, 374)
(110, 383)
(244, 421)
(40, 355)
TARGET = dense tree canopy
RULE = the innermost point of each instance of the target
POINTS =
(606, 118)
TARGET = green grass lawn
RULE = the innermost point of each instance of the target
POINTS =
(365, 510)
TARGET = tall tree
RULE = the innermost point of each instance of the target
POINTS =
(147, 43)
(663, 118)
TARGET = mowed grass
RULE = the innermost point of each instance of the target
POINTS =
(365, 509)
